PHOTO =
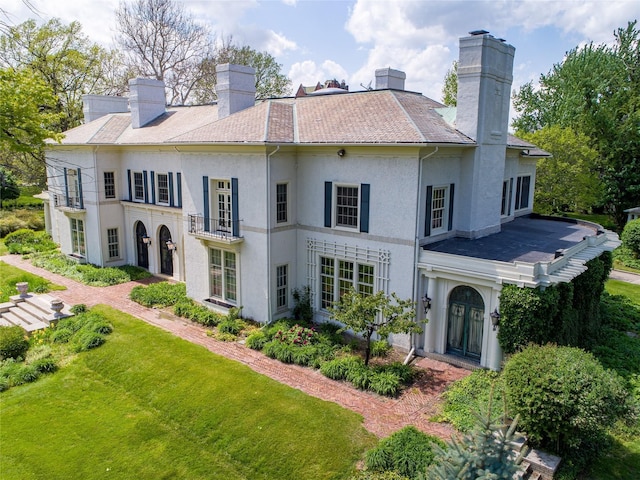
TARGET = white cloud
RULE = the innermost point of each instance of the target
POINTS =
(309, 73)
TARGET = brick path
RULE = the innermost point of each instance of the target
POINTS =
(382, 416)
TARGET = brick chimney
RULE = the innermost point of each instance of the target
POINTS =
(96, 106)
(485, 73)
(388, 78)
(147, 100)
(236, 88)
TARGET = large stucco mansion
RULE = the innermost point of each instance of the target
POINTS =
(383, 189)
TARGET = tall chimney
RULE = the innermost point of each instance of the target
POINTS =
(96, 106)
(390, 78)
(485, 73)
(147, 100)
(236, 88)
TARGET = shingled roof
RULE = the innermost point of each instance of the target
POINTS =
(374, 117)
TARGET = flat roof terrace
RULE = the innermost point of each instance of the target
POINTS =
(529, 239)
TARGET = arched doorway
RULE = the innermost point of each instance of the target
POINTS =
(465, 323)
(142, 248)
(166, 255)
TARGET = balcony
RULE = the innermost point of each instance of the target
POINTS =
(215, 229)
(68, 203)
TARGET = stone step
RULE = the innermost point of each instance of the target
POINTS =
(24, 320)
(5, 323)
(5, 306)
(43, 302)
(34, 311)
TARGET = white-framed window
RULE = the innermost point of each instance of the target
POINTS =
(113, 244)
(109, 184)
(337, 276)
(282, 286)
(163, 188)
(223, 275)
(222, 205)
(506, 198)
(439, 206)
(73, 183)
(346, 206)
(138, 186)
(523, 186)
(78, 246)
(282, 203)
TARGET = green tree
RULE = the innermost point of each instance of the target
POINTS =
(566, 181)
(595, 91)
(565, 398)
(631, 237)
(270, 81)
(27, 112)
(9, 189)
(450, 87)
(485, 453)
(377, 313)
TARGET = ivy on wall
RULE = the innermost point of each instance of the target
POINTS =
(565, 314)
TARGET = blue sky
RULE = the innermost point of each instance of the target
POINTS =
(316, 40)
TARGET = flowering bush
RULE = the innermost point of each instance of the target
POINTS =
(297, 335)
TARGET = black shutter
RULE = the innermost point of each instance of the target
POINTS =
(66, 187)
(129, 183)
(364, 207)
(235, 217)
(153, 187)
(170, 180)
(205, 195)
(328, 190)
(451, 192)
(146, 186)
(427, 212)
(80, 189)
(510, 195)
(179, 185)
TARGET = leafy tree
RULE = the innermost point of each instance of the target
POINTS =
(485, 453)
(566, 181)
(631, 236)
(270, 82)
(9, 189)
(565, 398)
(377, 313)
(450, 87)
(27, 111)
(64, 58)
(595, 91)
(163, 41)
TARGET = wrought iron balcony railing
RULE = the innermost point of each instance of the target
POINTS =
(215, 228)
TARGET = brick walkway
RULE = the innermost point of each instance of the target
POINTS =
(382, 416)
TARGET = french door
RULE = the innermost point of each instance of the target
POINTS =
(465, 323)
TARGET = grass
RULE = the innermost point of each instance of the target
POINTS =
(148, 405)
(629, 290)
(11, 275)
(605, 221)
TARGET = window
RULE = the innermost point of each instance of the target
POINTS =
(77, 237)
(346, 206)
(438, 206)
(138, 186)
(109, 185)
(223, 205)
(506, 198)
(439, 209)
(522, 192)
(281, 203)
(74, 189)
(112, 243)
(163, 188)
(282, 290)
(223, 275)
(344, 278)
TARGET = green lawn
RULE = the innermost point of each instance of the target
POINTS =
(148, 405)
(10, 275)
(629, 290)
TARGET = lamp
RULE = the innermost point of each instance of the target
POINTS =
(171, 246)
(146, 239)
(341, 152)
(426, 303)
(495, 318)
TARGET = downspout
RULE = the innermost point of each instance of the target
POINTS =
(416, 249)
(99, 211)
(269, 306)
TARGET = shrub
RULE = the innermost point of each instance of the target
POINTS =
(162, 294)
(26, 374)
(407, 452)
(359, 375)
(631, 236)
(231, 326)
(380, 348)
(13, 342)
(256, 340)
(45, 365)
(385, 383)
(78, 308)
(86, 340)
(24, 241)
(338, 368)
(565, 399)
(61, 335)
(102, 277)
(302, 309)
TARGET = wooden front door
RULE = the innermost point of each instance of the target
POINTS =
(141, 248)
(465, 323)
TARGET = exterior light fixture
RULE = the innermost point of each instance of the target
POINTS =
(495, 318)
(341, 152)
(171, 246)
(426, 303)
(146, 239)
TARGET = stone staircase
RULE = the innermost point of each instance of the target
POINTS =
(32, 312)
(537, 465)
